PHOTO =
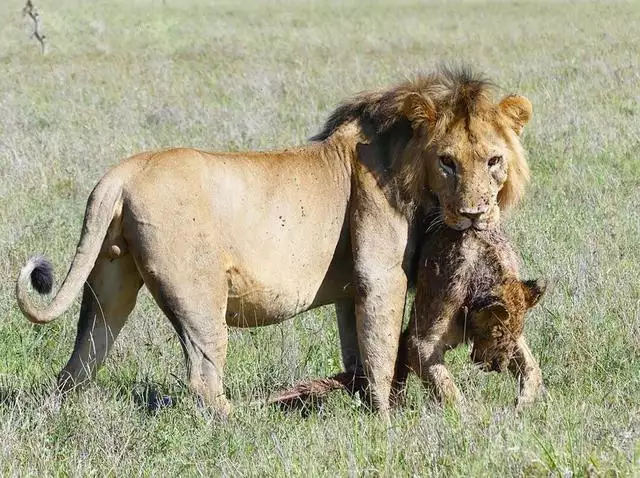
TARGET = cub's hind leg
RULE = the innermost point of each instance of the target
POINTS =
(428, 335)
(108, 298)
(426, 359)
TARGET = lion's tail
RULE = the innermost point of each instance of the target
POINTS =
(318, 388)
(101, 207)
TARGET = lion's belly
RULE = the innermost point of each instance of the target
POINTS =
(274, 283)
(252, 304)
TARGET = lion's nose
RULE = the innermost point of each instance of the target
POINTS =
(473, 212)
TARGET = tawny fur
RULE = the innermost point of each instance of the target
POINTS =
(468, 291)
(251, 239)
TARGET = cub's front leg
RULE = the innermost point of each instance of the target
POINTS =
(425, 354)
(526, 368)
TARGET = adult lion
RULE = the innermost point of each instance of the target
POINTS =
(251, 239)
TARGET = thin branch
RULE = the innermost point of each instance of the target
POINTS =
(30, 10)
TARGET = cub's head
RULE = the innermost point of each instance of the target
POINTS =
(466, 148)
(496, 326)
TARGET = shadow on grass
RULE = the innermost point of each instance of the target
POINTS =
(149, 396)
(153, 397)
(13, 394)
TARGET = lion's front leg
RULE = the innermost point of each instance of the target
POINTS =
(526, 368)
(379, 238)
(399, 384)
(379, 310)
(347, 331)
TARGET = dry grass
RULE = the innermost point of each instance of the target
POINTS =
(122, 76)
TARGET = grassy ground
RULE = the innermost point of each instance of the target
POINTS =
(121, 76)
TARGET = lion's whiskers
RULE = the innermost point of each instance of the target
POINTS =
(435, 225)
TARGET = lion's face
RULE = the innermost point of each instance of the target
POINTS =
(497, 327)
(468, 167)
(446, 139)
(469, 157)
(473, 158)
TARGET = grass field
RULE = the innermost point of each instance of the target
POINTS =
(123, 76)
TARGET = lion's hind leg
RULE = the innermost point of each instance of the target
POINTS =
(196, 307)
(109, 297)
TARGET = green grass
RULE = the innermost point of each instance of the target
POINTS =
(122, 76)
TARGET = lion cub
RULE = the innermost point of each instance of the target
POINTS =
(468, 290)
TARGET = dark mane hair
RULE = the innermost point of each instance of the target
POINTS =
(403, 120)
(452, 92)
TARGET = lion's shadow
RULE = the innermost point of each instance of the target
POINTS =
(153, 397)
(13, 395)
(148, 396)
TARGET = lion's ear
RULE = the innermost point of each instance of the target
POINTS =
(533, 291)
(518, 109)
(419, 110)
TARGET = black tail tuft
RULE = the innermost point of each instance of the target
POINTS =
(42, 275)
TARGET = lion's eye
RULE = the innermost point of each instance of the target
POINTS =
(494, 161)
(447, 164)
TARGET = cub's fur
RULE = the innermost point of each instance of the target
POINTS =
(468, 291)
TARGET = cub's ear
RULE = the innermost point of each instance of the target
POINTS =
(533, 291)
(419, 110)
(517, 109)
(495, 311)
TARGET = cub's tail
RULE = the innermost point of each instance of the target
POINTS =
(318, 388)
